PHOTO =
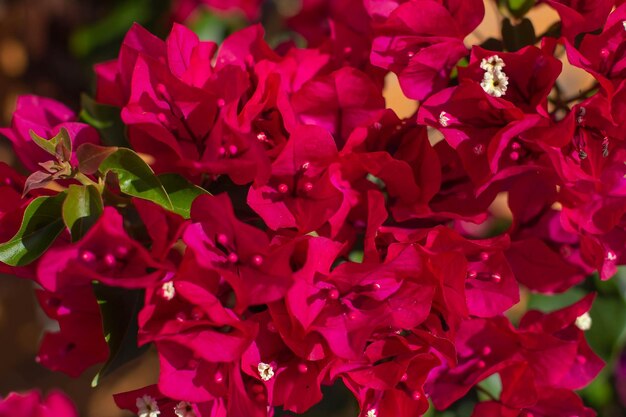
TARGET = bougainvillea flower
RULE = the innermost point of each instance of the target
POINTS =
(548, 350)
(391, 375)
(299, 193)
(470, 129)
(421, 41)
(601, 54)
(490, 288)
(105, 254)
(190, 315)
(257, 270)
(338, 102)
(291, 382)
(80, 342)
(581, 16)
(335, 241)
(398, 156)
(539, 241)
(45, 117)
(551, 402)
(531, 74)
(351, 302)
(12, 204)
(31, 404)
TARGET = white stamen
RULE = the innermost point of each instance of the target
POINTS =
(266, 372)
(583, 322)
(495, 83)
(184, 409)
(371, 413)
(443, 119)
(168, 291)
(147, 407)
(492, 63)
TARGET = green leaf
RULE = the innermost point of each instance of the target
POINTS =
(81, 209)
(94, 36)
(519, 8)
(515, 37)
(119, 308)
(41, 225)
(182, 193)
(609, 325)
(135, 177)
(106, 119)
(60, 146)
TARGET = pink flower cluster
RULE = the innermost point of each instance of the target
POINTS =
(336, 243)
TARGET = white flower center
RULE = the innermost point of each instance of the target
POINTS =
(147, 407)
(184, 409)
(266, 372)
(495, 81)
(371, 413)
(492, 63)
(168, 291)
(583, 322)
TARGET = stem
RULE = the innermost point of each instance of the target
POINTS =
(85, 180)
(562, 103)
(583, 94)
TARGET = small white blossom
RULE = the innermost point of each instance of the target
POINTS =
(584, 322)
(371, 413)
(495, 83)
(624, 24)
(443, 119)
(184, 409)
(611, 256)
(168, 291)
(147, 407)
(493, 63)
(266, 372)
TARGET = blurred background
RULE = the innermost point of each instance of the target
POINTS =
(47, 47)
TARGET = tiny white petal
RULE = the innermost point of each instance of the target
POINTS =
(492, 63)
(266, 372)
(147, 406)
(184, 409)
(168, 291)
(583, 322)
(624, 24)
(371, 413)
(495, 83)
(611, 256)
